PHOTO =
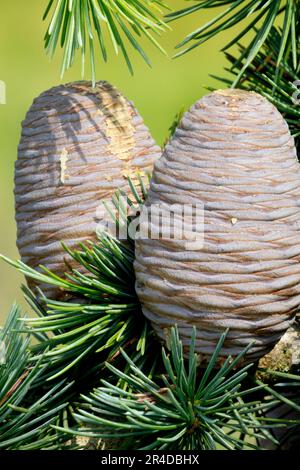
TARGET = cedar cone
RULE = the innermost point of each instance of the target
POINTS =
(77, 147)
(233, 153)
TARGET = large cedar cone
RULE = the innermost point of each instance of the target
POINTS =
(78, 144)
(234, 153)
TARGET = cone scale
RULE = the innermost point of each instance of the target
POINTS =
(233, 153)
(78, 146)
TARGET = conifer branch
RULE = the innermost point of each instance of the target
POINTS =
(77, 24)
(249, 14)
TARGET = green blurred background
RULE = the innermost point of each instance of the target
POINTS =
(158, 94)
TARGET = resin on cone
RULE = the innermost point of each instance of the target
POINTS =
(78, 146)
(233, 153)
